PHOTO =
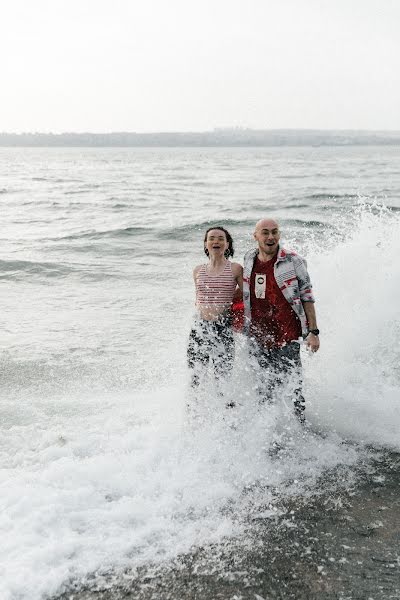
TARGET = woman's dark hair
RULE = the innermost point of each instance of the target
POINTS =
(230, 250)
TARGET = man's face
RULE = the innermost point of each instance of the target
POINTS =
(267, 235)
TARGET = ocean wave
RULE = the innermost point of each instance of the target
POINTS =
(16, 270)
(76, 366)
(178, 233)
(311, 223)
(75, 192)
(182, 232)
(120, 205)
(296, 176)
(108, 233)
(331, 196)
(84, 189)
(27, 266)
(53, 179)
(293, 204)
(186, 231)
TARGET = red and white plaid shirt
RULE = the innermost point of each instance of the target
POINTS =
(291, 275)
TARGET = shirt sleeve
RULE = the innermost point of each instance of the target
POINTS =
(305, 286)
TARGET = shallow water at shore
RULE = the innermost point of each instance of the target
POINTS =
(342, 543)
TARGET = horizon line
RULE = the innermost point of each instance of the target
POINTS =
(208, 131)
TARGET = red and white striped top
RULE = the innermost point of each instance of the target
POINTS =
(215, 290)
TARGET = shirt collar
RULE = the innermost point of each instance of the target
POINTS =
(282, 254)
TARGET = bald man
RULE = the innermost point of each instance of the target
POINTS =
(279, 312)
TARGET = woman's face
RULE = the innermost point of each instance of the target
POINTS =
(216, 243)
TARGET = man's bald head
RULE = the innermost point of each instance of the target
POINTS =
(267, 235)
(267, 224)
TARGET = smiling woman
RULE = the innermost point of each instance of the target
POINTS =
(211, 338)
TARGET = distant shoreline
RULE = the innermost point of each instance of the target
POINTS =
(218, 138)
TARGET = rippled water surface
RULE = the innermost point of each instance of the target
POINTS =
(100, 467)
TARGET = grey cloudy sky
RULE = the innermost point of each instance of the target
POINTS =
(190, 65)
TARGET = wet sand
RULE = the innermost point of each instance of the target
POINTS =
(343, 543)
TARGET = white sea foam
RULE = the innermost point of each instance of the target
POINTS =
(120, 481)
(354, 381)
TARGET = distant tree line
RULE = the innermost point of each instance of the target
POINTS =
(216, 138)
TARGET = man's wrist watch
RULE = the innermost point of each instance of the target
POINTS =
(314, 331)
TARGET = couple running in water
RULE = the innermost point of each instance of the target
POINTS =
(278, 310)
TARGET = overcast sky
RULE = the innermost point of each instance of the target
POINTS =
(192, 65)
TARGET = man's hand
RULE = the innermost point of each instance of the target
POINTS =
(312, 342)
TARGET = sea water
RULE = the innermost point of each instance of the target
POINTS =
(103, 466)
